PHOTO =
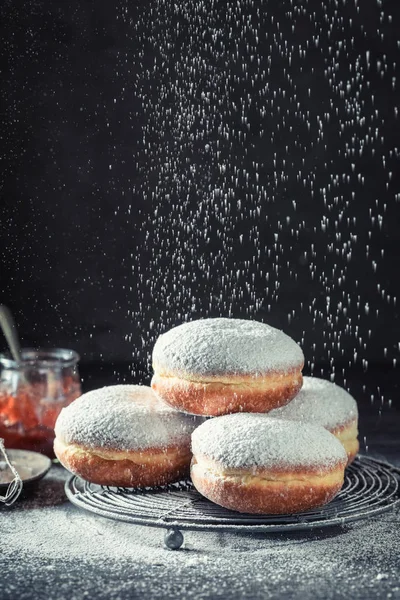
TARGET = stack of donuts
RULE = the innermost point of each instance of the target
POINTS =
(229, 402)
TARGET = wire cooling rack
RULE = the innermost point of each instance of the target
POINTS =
(370, 487)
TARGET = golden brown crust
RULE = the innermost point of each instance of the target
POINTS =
(248, 493)
(234, 394)
(147, 468)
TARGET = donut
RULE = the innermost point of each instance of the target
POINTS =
(254, 464)
(123, 435)
(324, 403)
(214, 367)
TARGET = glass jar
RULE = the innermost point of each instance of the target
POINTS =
(32, 394)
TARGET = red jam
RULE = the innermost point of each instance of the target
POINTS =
(32, 396)
(27, 418)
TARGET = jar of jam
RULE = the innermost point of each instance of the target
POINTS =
(32, 394)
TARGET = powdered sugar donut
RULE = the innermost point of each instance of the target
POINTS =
(255, 464)
(125, 436)
(219, 366)
(324, 403)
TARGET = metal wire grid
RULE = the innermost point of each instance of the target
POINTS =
(371, 487)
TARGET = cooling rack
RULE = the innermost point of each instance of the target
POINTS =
(371, 487)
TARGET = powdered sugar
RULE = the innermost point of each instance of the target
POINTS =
(123, 417)
(225, 346)
(250, 440)
(320, 402)
(51, 548)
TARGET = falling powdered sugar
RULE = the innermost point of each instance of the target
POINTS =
(251, 440)
(225, 346)
(320, 402)
(123, 417)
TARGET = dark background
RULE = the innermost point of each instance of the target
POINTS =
(161, 163)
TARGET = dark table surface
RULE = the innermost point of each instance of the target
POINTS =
(52, 549)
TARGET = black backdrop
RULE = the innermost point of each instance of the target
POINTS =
(164, 162)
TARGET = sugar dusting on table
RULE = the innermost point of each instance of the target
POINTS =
(45, 538)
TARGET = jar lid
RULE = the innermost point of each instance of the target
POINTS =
(45, 357)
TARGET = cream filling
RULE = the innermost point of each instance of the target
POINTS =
(348, 433)
(266, 478)
(248, 381)
(145, 457)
